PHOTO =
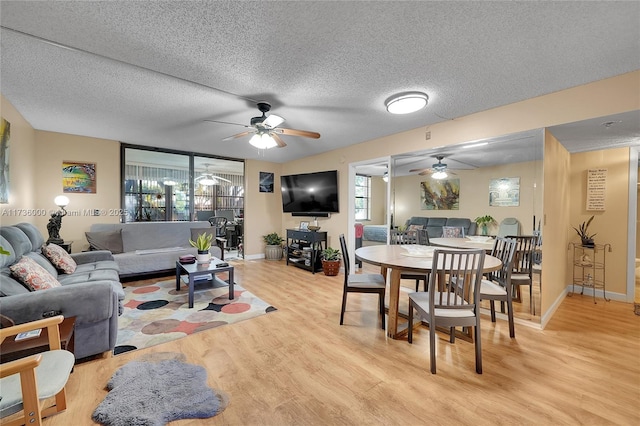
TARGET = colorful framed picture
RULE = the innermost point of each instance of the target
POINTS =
(79, 178)
(440, 194)
(266, 182)
(304, 226)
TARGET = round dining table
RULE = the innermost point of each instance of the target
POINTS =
(405, 258)
(485, 243)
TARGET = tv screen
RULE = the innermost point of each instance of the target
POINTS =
(310, 192)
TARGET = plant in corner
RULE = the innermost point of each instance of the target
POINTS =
(203, 244)
(483, 222)
(273, 248)
(582, 230)
(331, 261)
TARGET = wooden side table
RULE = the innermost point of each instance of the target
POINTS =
(11, 350)
(66, 245)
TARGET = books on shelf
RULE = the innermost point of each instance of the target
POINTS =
(28, 335)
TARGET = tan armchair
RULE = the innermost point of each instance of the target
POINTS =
(28, 383)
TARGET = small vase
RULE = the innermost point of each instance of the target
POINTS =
(331, 267)
(203, 256)
(483, 229)
(273, 252)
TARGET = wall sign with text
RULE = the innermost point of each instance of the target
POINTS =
(596, 189)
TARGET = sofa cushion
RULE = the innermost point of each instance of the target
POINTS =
(414, 227)
(34, 235)
(18, 240)
(105, 240)
(59, 258)
(44, 262)
(34, 276)
(88, 276)
(6, 259)
(9, 286)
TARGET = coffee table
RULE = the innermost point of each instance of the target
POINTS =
(194, 270)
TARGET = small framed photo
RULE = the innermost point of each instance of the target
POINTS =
(304, 226)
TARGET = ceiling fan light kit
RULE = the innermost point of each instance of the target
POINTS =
(407, 102)
(263, 141)
(439, 175)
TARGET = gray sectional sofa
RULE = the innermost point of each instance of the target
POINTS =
(92, 294)
(142, 248)
(434, 225)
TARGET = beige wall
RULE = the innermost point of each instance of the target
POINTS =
(54, 148)
(22, 180)
(555, 223)
(474, 195)
(378, 201)
(611, 224)
(262, 211)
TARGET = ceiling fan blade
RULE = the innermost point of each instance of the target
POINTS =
(418, 170)
(239, 135)
(293, 132)
(278, 140)
(227, 122)
(273, 121)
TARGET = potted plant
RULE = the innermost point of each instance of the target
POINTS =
(483, 222)
(331, 261)
(202, 244)
(582, 230)
(273, 248)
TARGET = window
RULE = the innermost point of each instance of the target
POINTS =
(363, 197)
(171, 186)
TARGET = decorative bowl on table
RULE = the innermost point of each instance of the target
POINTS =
(313, 228)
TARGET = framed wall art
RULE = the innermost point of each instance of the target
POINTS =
(79, 178)
(5, 133)
(440, 194)
(504, 192)
(266, 182)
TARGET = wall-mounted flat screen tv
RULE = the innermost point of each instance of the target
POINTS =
(310, 192)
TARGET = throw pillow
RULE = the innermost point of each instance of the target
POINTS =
(59, 258)
(32, 275)
(105, 240)
(414, 227)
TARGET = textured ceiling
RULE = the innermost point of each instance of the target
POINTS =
(149, 73)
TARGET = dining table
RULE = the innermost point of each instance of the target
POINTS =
(412, 258)
(473, 242)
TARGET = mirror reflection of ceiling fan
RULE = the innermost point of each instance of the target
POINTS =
(438, 170)
(208, 179)
(265, 130)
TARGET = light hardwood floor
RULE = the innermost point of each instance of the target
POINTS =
(298, 366)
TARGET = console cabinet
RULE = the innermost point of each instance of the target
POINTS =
(304, 249)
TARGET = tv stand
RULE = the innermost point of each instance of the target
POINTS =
(304, 249)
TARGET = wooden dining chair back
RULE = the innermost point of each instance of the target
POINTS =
(522, 273)
(409, 237)
(360, 283)
(28, 383)
(497, 285)
(452, 299)
(423, 237)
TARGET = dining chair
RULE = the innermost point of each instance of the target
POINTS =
(522, 273)
(509, 226)
(423, 237)
(497, 285)
(537, 258)
(447, 303)
(360, 283)
(27, 382)
(452, 232)
(220, 223)
(409, 237)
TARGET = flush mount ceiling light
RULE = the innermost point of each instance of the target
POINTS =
(406, 103)
(263, 141)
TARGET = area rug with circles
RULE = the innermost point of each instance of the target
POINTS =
(158, 313)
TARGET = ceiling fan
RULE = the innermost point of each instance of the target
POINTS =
(437, 170)
(208, 178)
(265, 130)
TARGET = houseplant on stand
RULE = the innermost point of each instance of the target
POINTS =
(203, 244)
(330, 261)
(582, 230)
(273, 249)
(483, 222)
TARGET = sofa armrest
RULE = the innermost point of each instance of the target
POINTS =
(88, 302)
(92, 256)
